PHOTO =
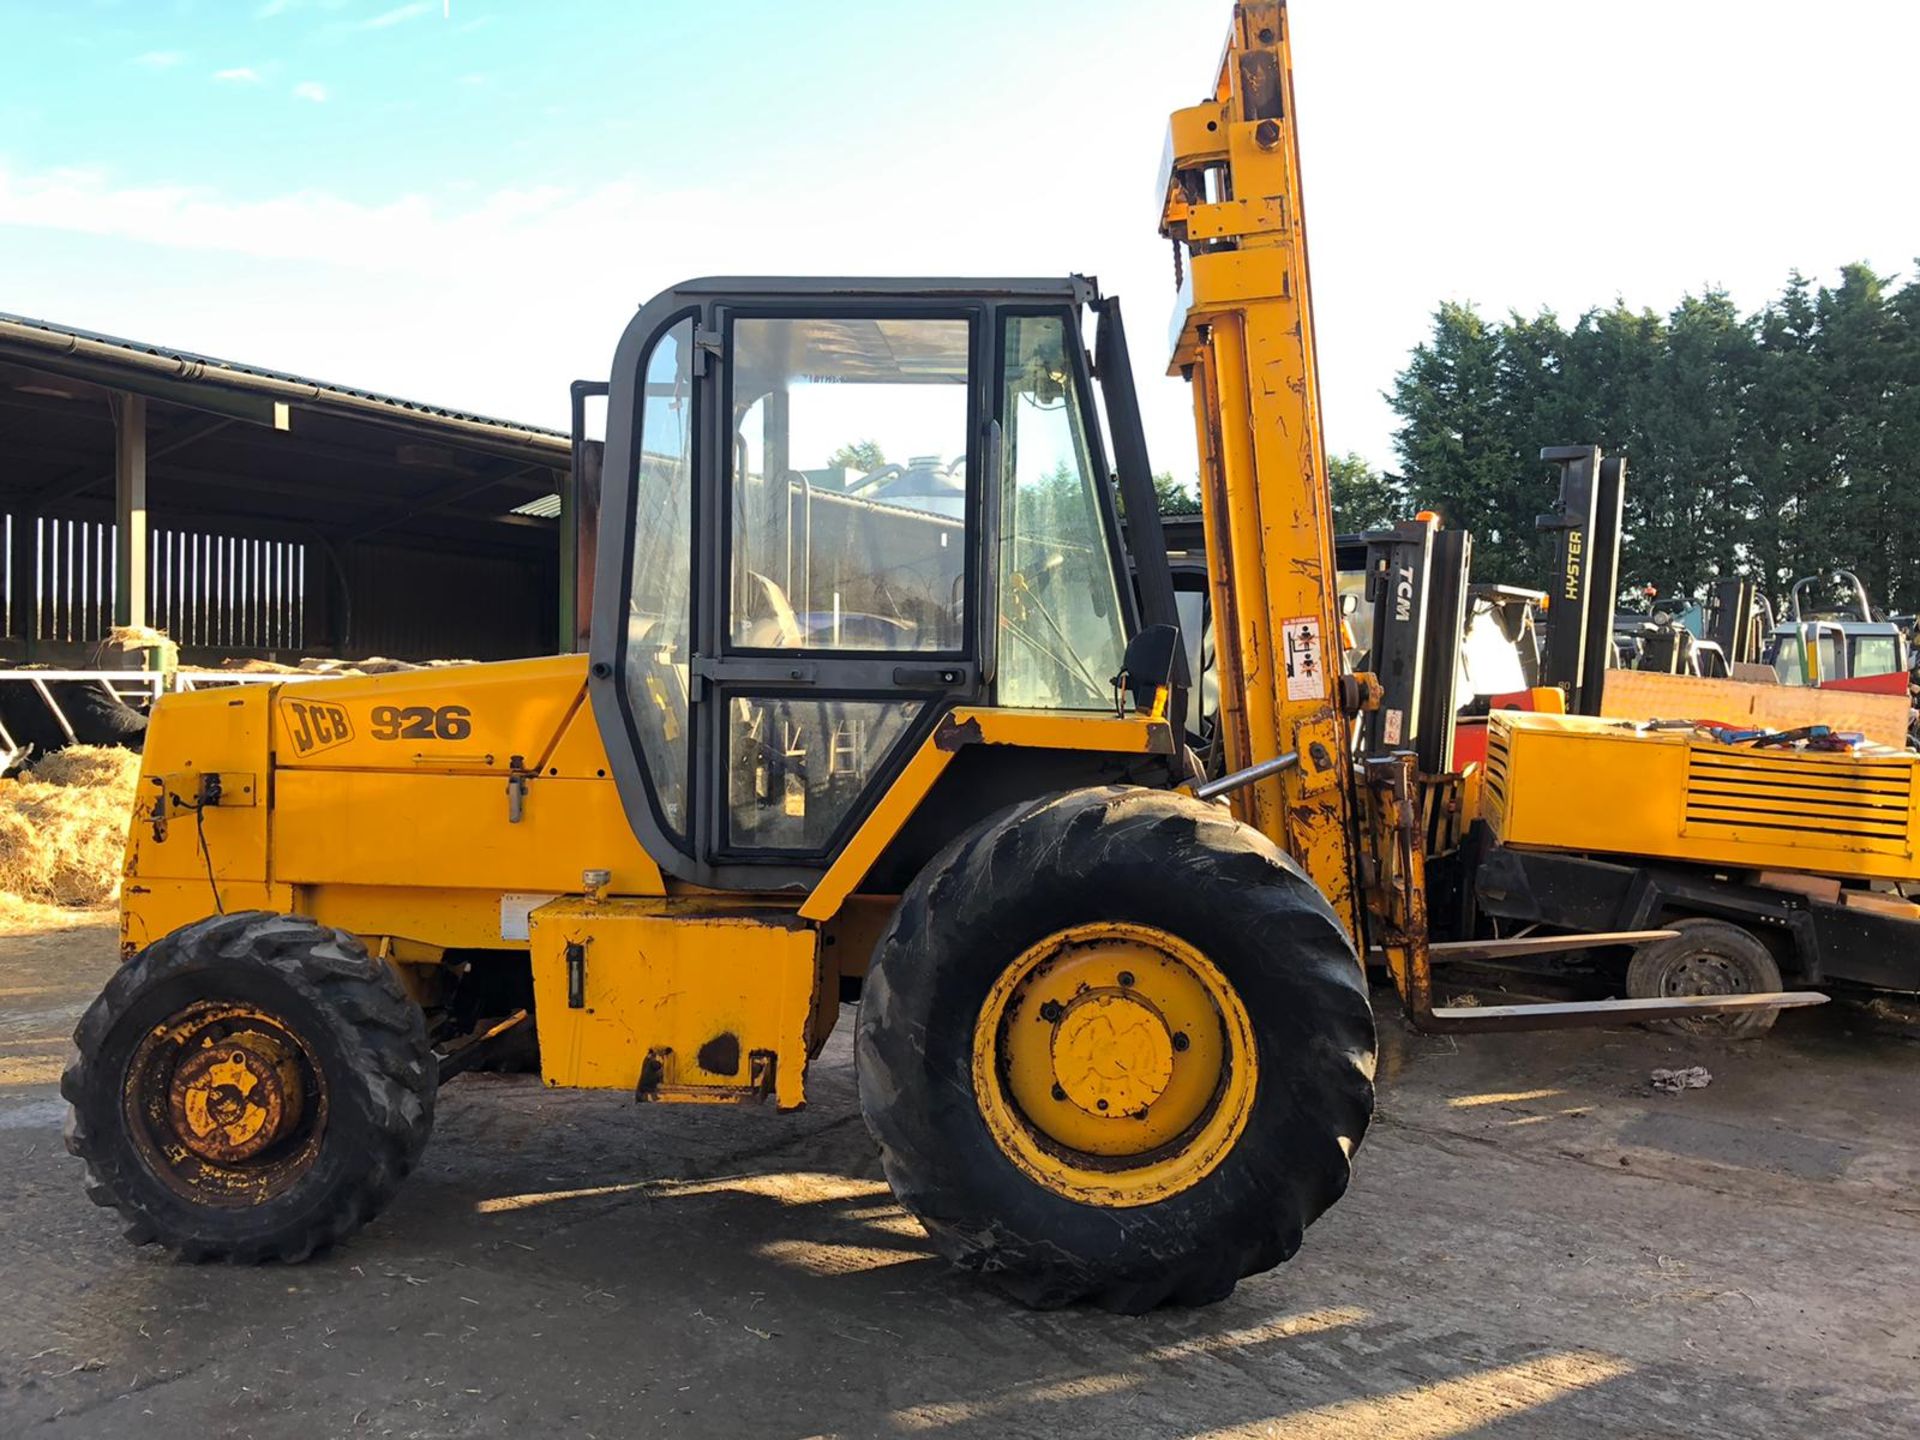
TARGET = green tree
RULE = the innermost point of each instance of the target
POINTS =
(1455, 443)
(1363, 498)
(862, 457)
(1776, 445)
(1780, 448)
(1860, 510)
(1899, 432)
(1175, 498)
(1680, 432)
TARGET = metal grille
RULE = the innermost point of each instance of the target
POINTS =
(1493, 772)
(1864, 803)
(229, 591)
(73, 579)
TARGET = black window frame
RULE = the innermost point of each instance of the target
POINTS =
(681, 840)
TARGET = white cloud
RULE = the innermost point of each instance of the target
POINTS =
(160, 59)
(1646, 200)
(395, 17)
(239, 75)
(311, 90)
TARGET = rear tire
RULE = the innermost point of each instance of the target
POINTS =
(1707, 957)
(250, 1087)
(1052, 1224)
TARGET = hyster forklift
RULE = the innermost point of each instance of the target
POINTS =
(907, 732)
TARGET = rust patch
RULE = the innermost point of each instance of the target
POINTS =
(952, 733)
(721, 1054)
(653, 1073)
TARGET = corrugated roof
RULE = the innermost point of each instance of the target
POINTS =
(190, 366)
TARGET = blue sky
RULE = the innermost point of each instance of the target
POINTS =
(462, 202)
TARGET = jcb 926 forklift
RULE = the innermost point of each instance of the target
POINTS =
(905, 731)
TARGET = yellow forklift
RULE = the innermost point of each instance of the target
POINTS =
(905, 733)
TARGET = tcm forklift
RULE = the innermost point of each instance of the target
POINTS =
(907, 733)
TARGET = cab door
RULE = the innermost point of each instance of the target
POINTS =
(833, 511)
(839, 564)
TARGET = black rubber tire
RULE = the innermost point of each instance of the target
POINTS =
(1757, 972)
(368, 1036)
(1115, 854)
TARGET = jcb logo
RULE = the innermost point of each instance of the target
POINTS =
(313, 726)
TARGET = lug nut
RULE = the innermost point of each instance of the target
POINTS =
(1058, 1093)
(1180, 1041)
(1100, 1104)
(1126, 977)
(1051, 1012)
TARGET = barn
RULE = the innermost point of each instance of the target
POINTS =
(251, 513)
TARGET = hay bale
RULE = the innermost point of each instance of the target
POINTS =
(63, 826)
(90, 767)
(36, 917)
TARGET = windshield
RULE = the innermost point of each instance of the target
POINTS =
(1875, 655)
(1061, 638)
(1790, 664)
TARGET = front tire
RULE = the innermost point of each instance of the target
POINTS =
(1115, 1046)
(250, 1087)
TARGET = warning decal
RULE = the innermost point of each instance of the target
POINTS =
(1306, 672)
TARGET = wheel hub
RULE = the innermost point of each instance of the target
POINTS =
(1114, 1063)
(1704, 974)
(231, 1100)
(1112, 1054)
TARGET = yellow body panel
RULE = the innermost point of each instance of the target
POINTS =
(223, 732)
(439, 810)
(407, 837)
(719, 993)
(1033, 729)
(1569, 782)
(461, 719)
(357, 827)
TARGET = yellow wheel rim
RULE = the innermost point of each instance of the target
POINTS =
(1114, 1064)
(226, 1103)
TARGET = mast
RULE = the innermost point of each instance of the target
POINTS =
(1244, 339)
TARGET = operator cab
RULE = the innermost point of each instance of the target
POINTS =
(833, 511)
(1850, 643)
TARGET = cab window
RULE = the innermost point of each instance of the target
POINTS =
(1061, 632)
(1875, 655)
(849, 484)
(657, 638)
(1790, 662)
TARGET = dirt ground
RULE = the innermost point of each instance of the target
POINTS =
(1536, 1245)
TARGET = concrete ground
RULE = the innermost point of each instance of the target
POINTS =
(1536, 1245)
